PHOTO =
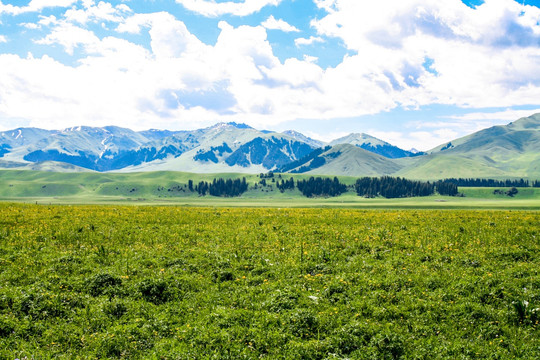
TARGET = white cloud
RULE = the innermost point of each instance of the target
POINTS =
(328, 5)
(41, 4)
(424, 141)
(170, 37)
(326, 137)
(179, 79)
(134, 24)
(211, 8)
(272, 24)
(121, 83)
(31, 26)
(310, 59)
(94, 13)
(480, 57)
(34, 6)
(308, 41)
(419, 140)
(70, 37)
(296, 74)
(3, 39)
(48, 20)
(504, 116)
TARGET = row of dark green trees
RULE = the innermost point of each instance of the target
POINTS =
(396, 187)
(321, 187)
(220, 187)
(493, 183)
(386, 186)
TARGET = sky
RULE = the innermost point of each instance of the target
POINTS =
(415, 73)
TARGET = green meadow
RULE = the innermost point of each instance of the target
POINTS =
(152, 282)
(163, 188)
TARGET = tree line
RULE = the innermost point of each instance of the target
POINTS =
(320, 187)
(491, 182)
(392, 187)
(386, 186)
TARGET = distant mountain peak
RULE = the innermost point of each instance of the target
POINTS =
(373, 144)
(359, 139)
(301, 137)
(292, 132)
(225, 125)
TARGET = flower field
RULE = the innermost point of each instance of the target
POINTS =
(241, 283)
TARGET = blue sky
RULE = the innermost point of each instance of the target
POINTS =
(415, 73)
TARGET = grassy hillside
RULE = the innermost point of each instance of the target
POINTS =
(434, 167)
(349, 160)
(512, 150)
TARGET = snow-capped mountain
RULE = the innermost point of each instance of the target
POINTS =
(511, 150)
(222, 147)
(374, 145)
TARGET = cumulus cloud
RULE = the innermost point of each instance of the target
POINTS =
(406, 53)
(272, 24)
(103, 11)
(308, 41)
(71, 37)
(3, 39)
(478, 57)
(212, 8)
(122, 83)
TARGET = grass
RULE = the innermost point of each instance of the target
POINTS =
(487, 193)
(169, 188)
(232, 283)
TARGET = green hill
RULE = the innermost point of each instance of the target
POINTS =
(512, 150)
(348, 160)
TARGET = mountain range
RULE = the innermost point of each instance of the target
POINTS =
(512, 150)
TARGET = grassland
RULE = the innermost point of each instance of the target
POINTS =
(228, 283)
(164, 188)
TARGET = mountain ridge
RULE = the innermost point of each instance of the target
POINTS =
(374, 145)
(511, 150)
